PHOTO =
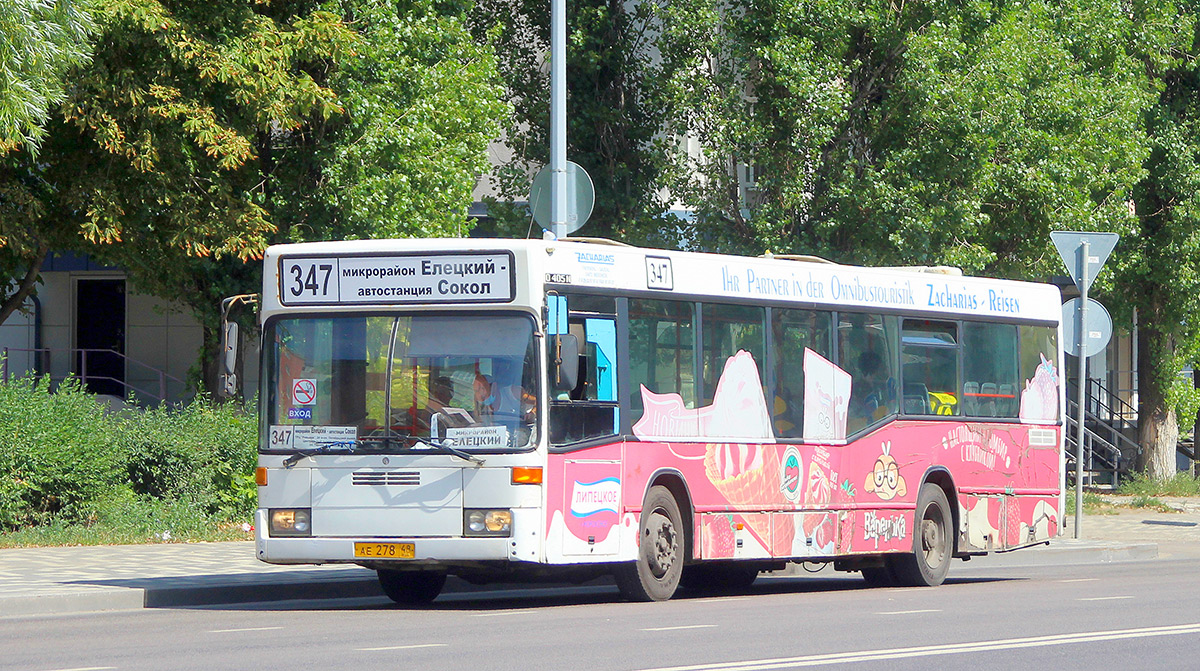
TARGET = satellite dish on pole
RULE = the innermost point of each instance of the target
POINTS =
(581, 196)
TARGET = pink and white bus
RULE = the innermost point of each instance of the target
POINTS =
(506, 409)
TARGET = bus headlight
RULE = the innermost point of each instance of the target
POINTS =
(484, 522)
(291, 522)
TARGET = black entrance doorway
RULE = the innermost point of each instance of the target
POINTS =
(100, 335)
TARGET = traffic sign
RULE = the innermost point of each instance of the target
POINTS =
(1098, 330)
(1069, 244)
(581, 196)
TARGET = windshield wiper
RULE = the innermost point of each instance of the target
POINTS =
(418, 443)
(446, 445)
(320, 449)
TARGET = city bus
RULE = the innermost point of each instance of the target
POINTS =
(503, 410)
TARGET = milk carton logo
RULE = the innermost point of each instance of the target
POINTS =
(594, 508)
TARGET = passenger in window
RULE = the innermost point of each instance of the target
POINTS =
(871, 395)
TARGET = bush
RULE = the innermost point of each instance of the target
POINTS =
(57, 455)
(66, 461)
(203, 453)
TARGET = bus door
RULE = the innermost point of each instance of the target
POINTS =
(586, 417)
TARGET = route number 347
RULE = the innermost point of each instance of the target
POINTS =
(309, 280)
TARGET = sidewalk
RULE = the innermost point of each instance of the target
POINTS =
(80, 579)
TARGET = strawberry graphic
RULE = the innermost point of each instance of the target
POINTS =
(1012, 521)
(718, 539)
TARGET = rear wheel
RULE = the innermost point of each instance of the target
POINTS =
(932, 542)
(411, 588)
(656, 573)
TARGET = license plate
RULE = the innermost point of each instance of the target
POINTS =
(385, 550)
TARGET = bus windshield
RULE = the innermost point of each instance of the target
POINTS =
(407, 382)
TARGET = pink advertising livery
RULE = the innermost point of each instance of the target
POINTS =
(756, 498)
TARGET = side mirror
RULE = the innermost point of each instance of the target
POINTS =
(566, 362)
(229, 347)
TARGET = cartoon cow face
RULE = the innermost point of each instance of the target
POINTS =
(885, 480)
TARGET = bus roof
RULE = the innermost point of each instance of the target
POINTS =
(802, 281)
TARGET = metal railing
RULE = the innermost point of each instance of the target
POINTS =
(1100, 457)
(44, 362)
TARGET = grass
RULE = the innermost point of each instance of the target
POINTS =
(1183, 484)
(127, 520)
(1093, 504)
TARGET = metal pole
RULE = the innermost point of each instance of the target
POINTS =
(1081, 409)
(558, 118)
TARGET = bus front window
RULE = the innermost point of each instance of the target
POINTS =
(466, 380)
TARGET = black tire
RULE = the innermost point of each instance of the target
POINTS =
(411, 588)
(655, 575)
(719, 576)
(933, 544)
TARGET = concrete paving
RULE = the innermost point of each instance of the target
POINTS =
(81, 579)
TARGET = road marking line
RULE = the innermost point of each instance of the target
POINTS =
(523, 611)
(910, 612)
(230, 631)
(1081, 580)
(932, 650)
(1104, 598)
(686, 626)
(405, 647)
(89, 668)
(719, 599)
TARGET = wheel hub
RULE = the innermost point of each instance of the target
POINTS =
(664, 541)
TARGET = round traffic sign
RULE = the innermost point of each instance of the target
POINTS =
(1098, 329)
(581, 196)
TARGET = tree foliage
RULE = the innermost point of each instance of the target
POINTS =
(938, 132)
(871, 131)
(39, 41)
(615, 113)
(148, 158)
(1158, 265)
(200, 133)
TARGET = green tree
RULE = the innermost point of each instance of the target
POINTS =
(903, 133)
(1158, 265)
(615, 113)
(149, 157)
(418, 103)
(39, 40)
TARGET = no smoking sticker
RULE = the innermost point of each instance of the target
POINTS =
(304, 391)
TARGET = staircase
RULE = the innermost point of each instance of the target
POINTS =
(1110, 436)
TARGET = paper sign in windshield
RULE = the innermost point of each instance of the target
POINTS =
(478, 436)
(285, 437)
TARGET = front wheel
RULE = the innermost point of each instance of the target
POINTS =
(411, 588)
(932, 542)
(654, 576)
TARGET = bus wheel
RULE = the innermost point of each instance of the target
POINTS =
(411, 588)
(655, 575)
(930, 560)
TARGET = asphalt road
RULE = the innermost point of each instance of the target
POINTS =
(1134, 615)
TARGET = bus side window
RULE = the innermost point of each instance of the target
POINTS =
(793, 331)
(727, 330)
(590, 409)
(990, 370)
(930, 354)
(867, 350)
